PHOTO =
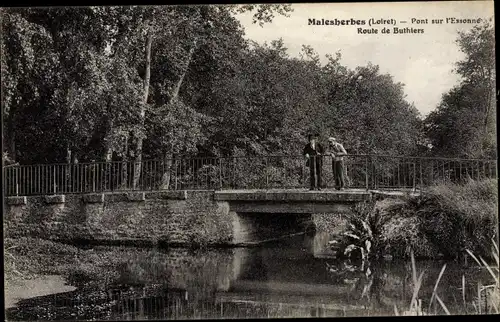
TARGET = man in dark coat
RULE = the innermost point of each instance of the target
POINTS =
(313, 152)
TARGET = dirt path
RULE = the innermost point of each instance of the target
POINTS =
(40, 286)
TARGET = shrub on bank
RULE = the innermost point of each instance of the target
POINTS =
(444, 221)
(458, 217)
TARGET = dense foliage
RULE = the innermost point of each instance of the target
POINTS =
(134, 83)
(464, 123)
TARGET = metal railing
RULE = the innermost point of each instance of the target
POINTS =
(260, 172)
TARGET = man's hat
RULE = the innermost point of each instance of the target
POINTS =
(332, 139)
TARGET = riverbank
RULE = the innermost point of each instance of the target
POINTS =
(34, 261)
(32, 268)
(31, 258)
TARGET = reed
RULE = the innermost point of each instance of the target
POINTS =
(490, 292)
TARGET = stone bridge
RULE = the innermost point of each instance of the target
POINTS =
(220, 217)
(262, 215)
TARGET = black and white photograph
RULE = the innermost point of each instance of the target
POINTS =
(235, 161)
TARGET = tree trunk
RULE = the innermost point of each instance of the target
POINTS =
(491, 92)
(177, 88)
(138, 151)
(108, 148)
(147, 75)
(108, 156)
(165, 178)
(68, 154)
(486, 135)
(108, 153)
(68, 168)
(125, 165)
(12, 146)
(11, 138)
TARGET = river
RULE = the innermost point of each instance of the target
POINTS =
(297, 277)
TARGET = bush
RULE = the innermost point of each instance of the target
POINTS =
(447, 219)
(402, 234)
(458, 217)
(443, 221)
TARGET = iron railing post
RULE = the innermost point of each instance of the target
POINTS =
(444, 172)
(303, 168)
(267, 172)
(220, 173)
(460, 173)
(366, 173)
(233, 181)
(176, 174)
(17, 181)
(54, 179)
(398, 181)
(432, 172)
(421, 179)
(414, 175)
(93, 176)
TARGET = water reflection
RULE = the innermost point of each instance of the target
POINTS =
(293, 278)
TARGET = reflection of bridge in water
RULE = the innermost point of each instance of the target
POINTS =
(286, 279)
(277, 281)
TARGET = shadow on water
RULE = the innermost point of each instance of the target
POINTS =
(291, 278)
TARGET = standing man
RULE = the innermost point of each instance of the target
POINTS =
(313, 151)
(337, 152)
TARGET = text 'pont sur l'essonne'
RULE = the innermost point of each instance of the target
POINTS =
(390, 25)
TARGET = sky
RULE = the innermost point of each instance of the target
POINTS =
(424, 62)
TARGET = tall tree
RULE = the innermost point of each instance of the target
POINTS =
(53, 73)
(195, 26)
(463, 125)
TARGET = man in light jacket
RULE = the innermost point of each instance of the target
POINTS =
(337, 151)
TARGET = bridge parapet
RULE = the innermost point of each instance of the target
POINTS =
(293, 196)
(291, 201)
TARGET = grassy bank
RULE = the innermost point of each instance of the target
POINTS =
(444, 221)
(29, 258)
(451, 218)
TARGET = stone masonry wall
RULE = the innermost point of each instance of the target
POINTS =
(181, 217)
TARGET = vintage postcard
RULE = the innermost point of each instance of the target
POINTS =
(249, 161)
